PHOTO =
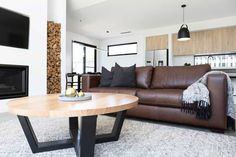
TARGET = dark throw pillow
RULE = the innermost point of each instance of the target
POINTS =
(124, 76)
(106, 78)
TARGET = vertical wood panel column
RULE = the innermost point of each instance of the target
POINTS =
(54, 58)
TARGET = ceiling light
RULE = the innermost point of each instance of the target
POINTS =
(183, 34)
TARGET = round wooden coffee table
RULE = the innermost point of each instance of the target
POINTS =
(82, 139)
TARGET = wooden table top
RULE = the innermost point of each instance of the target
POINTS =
(50, 106)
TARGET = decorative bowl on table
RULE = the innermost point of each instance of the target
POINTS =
(72, 95)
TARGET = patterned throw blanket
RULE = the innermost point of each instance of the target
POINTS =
(196, 98)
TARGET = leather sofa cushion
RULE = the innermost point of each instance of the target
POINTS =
(161, 97)
(124, 76)
(178, 76)
(144, 76)
(106, 78)
(123, 90)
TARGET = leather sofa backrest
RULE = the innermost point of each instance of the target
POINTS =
(177, 76)
(144, 76)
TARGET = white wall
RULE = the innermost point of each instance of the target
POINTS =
(180, 60)
(125, 60)
(35, 56)
(80, 38)
(57, 13)
(140, 38)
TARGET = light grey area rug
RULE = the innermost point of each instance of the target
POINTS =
(138, 139)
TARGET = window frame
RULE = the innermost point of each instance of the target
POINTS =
(131, 43)
(85, 45)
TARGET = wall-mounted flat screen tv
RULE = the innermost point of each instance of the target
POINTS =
(14, 29)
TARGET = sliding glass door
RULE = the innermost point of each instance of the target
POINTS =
(83, 58)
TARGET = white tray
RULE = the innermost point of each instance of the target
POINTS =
(82, 98)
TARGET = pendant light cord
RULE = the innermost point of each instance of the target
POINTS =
(183, 34)
(183, 6)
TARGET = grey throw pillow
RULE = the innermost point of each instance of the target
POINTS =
(106, 78)
(124, 76)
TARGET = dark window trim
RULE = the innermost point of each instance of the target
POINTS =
(85, 44)
(121, 45)
(167, 57)
(88, 45)
(84, 59)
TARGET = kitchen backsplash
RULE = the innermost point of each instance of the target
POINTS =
(217, 61)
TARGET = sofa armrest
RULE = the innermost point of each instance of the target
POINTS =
(90, 81)
(217, 86)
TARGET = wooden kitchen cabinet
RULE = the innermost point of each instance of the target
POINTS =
(229, 39)
(182, 48)
(218, 40)
(158, 42)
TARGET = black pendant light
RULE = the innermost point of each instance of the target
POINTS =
(183, 34)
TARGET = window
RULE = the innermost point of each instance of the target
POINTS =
(83, 58)
(122, 49)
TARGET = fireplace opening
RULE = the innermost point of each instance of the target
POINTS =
(13, 81)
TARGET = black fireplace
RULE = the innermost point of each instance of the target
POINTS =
(13, 81)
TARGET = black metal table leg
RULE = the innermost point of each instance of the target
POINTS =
(73, 126)
(73, 123)
(41, 146)
(82, 140)
(115, 134)
(85, 142)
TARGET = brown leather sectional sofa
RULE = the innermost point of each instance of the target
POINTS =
(160, 91)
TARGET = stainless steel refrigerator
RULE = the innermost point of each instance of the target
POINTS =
(157, 58)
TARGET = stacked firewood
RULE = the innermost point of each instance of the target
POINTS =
(54, 58)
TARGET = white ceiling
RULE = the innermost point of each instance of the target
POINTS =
(95, 17)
